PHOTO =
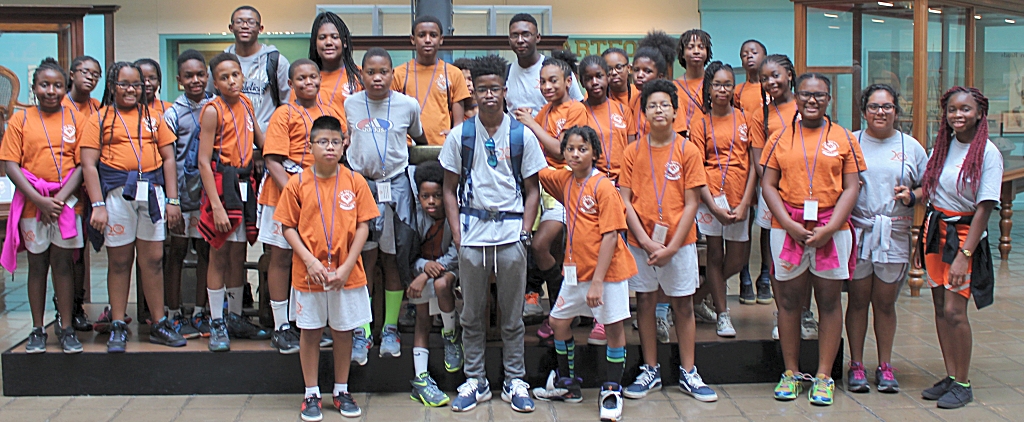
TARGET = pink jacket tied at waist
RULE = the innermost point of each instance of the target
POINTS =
(826, 257)
(65, 222)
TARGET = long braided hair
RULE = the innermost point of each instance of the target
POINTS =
(709, 77)
(351, 70)
(783, 61)
(109, 102)
(971, 169)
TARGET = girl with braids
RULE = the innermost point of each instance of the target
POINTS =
(619, 75)
(961, 184)
(611, 118)
(560, 113)
(330, 47)
(151, 77)
(127, 154)
(85, 74)
(720, 132)
(811, 184)
(41, 159)
(694, 52)
(749, 96)
(882, 224)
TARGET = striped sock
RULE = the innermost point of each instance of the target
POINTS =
(616, 357)
(566, 351)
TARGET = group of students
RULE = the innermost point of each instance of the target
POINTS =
(595, 192)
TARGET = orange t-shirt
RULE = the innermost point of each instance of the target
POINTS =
(45, 144)
(623, 97)
(554, 120)
(748, 97)
(334, 89)
(723, 140)
(160, 105)
(87, 109)
(435, 89)
(300, 208)
(287, 136)
(679, 125)
(591, 211)
(779, 118)
(797, 152)
(676, 168)
(121, 146)
(691, 101)
(234, 136)
(613, 123)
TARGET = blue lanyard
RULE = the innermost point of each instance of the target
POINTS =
(807, 165)
(664, 177)
(686, 89)
(72, 101)
(571, 229)
(732, 143)
(781, 120)
(417, 81)
(373, 132)
(305, 126)
(238, 138)
(138, 152)
(600, 132)
(60, 178)
(323, 221)
(337, 83)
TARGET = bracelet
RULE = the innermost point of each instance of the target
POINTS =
(172, 201)
(99, 204)
(913, 199)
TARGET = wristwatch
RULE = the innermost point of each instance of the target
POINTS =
(966, 252)
(172, 201)
(525, 237)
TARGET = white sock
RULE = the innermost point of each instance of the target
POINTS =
(340, 388)
(216, 303)
(171, 314)
(235, 300)
(313, 391)
(448, 320)
(280, 310)
(197, 310)
(420, 356)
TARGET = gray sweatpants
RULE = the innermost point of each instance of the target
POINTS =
(476, 264)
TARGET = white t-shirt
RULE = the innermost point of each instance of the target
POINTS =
(961, 198)
(494, 188)
(899, 155)
(381, 133)
(524, 87)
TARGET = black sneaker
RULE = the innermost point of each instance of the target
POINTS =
(958, 396)
(102, 324)
(183, 326)
(747, 294)
(240, 327)
(163, 333)
(69, 342)
(201, 322)
(764, 290)
(940, 388)
(118, 337)
(80, 320)
(347, 405)
(285, 340)
(311, 409)
(36, 341)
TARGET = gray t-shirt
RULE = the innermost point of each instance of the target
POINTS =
(257, 84)
(959, 197)
(378, 129)
(524, 87)
(494, 188)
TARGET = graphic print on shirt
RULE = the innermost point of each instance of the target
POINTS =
(830, 148)
(68, 134)
(673, 170)
(347, 200)
(618, 121)
(375, 125)
(150, 124)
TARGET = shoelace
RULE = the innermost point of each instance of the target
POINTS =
(695, 380)
(468, 388)
(887, 372)
(361, 341)
(519, 388)
(645, 378)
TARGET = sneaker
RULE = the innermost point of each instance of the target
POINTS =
(775, 325)
(764, 290)
(517, 392)
(544, 332)
(956, 397)
(597, 336)
(201, 322)
(219, 339)
(453, 357)
(424, 390)
(704, 313)
(163, 333)
(347, 405)
(311, 409)
(611, 402)
(747, 296)
(808, 326)
(118, 337)
(69, 342)
(285, 340)
(885, 379)
(857, 378)
(471, 392)
(183, 326)
(102, 325)
(408, 318)
(662, 330)
(690, 383)
(240, 327)
(326, 338)
(649, 380)
(80, 320)
(940, 388)
(725, 328)
(390, 342)
(789, 387)
(822, 391)
(36, 341)
(531, 307)
(559, 389)
(361, 344)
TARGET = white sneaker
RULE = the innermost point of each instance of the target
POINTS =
(703, 313)
(611, 402)
(808, 326)
(775, 329)
(725, 328)
(662, 330)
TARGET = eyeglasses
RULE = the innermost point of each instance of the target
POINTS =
(516, 36)
(152, 78)
(619, 68)
(887, 107)
(492, 157)
(721, 86)
(807, 95)
(483, 90)
(662, 106)
(248, 22)
(126, 85)
(95, 75)
(323, 142)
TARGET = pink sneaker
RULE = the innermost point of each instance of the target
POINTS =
(545, 332)
(597, 336)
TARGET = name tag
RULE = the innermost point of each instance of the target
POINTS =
(142, 191)
(330, 275)
(569, 273)
(722, 202)
(243, 189)
(660, 233)
(811, 210)
(71, 202)
(384, 191)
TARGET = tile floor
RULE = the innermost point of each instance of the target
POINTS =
(997, 375)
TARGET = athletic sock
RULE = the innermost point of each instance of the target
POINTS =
(313, 391)
(566, 351)
(448, 321)
(280, 310)
(172, 313)
(661, 311)
(216, 302)
(616, 357)
(366, 330)
(420, 355)
(340, 388)
(964, 384)
(197, 310)
(392, 306)
(234, 300)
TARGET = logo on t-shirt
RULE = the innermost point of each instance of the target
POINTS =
(151, 124)
(374, 125)
(618, 121)
(69, 134)
(347, 200)
(248, 123)
(559, 124)
(898, 156)
(742, 132)
(830, 148)
(588, 205)
(442, 82)
(673, 170)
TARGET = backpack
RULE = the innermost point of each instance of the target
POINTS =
(275, 90)
(469, 143)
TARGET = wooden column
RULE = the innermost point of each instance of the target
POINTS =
(920, 119)
(800, 38)
(970, 56)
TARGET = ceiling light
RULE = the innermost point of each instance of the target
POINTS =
(831, 15)
(935, 11)
(877, 21)
(885, 3)
(977, 16)
(1009, 21)
(833, 27)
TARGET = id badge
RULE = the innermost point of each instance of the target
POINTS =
(330, 275)
(569, 273)
(142, 191)
(722, 202)
(384, 191)
(71, 202)
(810, 210)
(660, 233)
(243, 189)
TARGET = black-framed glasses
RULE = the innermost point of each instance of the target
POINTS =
(516, 36)
(483, 90)
(492, 156)
(887, 107)
(250, 22)
(324, 142)
(717, 86)
(126, 85)
(817, 95)
(95, 75)
(662, 106)
(619, 68)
